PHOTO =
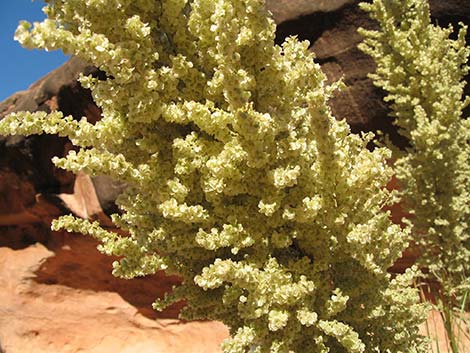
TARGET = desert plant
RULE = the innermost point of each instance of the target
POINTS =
(422, 70)
(239, 178)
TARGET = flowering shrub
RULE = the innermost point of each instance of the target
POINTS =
(239, 178)
(422, 70)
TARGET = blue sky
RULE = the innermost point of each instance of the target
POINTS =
(20, 67)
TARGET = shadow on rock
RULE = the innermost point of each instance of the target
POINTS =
(78, 264)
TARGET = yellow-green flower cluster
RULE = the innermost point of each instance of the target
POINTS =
(422, 70)
(239, 178)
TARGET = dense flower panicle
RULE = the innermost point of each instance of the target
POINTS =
(239, 177)
(422, 71)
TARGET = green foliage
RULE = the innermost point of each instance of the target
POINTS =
(422, 70)
(240, 179)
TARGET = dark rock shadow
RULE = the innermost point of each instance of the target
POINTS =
(78, 264)
(20, 237)
(308, 27)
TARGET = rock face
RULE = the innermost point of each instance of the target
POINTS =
(334, 39)
(45, 312)
(285, 10)
(57, 291)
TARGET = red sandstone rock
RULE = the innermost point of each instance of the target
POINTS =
(64, 317)
(286, 10)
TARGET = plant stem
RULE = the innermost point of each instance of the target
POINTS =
(446, 314)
